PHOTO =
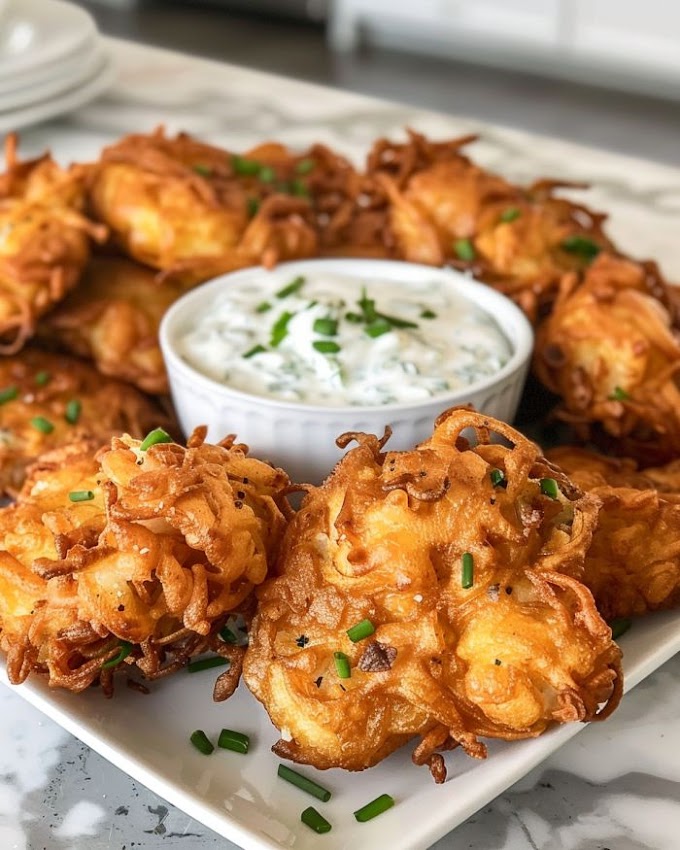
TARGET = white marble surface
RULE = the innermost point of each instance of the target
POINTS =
(616, 785)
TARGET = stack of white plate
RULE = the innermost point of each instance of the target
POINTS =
(52, 61)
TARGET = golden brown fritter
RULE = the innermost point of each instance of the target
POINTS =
(142, 570)
(112, 318)
(49, 400)
(611, 351)
(44, 241)
(385, 539)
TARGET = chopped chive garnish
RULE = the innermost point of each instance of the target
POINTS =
(298, 188)
(303, 783)
(311, 818)
(367, 306)
(510, 214)
(267, 174)
(619, 394)
(428, 314)
(263, 306)
(256, 349)
(342, 667)
(253, 206)
(327, 326)
(158, 435)
(42, 378)
(498, 478)
(326, 346)
(73, 409)
(245, 167)
(121, 655)
(280, 329)
(207, 664)
(549, 487)
(81, 495)
(362, 630)
(203, 170)
(396, 322)
(619, 626)
(227, 635)
(467, 576)
(378, 328)
(582, 246)
(374, 808)
(304, 166)
(43, 425)
(202, 743)
(293, 287)
(464, 250)
(8, 394)
(355, 318)
(236, 741)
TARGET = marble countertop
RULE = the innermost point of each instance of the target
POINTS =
(617, 785)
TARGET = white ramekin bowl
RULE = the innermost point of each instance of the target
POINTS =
(301, 437)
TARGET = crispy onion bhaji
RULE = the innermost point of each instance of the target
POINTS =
(112, 318)
(44, 241)
(444, 209)
(133, 557)
(192, 210)
(501, 651)
(632, 566)
(49, 400)
(611, 350)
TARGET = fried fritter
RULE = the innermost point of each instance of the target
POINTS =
(112, 318)
(499, 648)
(611, 351)
(48, 400)
(44, 241)
(142, 570)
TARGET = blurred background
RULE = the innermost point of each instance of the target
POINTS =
(603, 72)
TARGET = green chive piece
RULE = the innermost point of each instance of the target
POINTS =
(298, 188)
(464, 250)
(158, 435)
(293, 287)
(235, 741)
(428, 314)
(267, 174)
(378, 328)
(498, 478)
(549, 487)
(342, 665)
(245, 167)
(582, 246)
(355, 318)
(8, 394)
(202, 743)
(619, 394)
(43, 378)
(396, 322)
(510, 214)
(326, 327)
(374, 808)
(81, 495)
(253, 206)
(227, 635)
(256, 349)
(73, 409)
(467, 578)
(367, 306)
(263, 306)
(311, 818)
(326, 346)
(280, 329)
(207, 664)
(304, 166)
(362, 630)
(121, 655)
(43, 425)
(203, 170)
(303, 783)
(619, 626)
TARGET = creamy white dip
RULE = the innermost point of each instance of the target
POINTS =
(335, 340)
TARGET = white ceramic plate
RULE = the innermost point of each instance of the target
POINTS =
(242, 798)
(35, 33)
(67, 101)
